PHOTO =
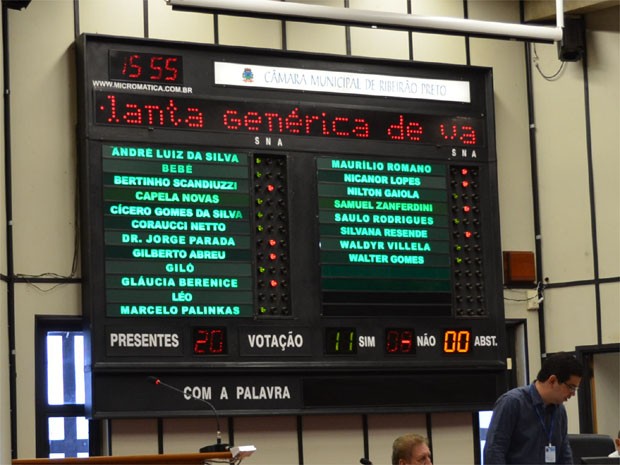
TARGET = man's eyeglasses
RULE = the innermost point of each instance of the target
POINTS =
(572, 387)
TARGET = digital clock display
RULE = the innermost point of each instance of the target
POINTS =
(146, 67)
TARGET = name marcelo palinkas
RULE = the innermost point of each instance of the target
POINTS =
(182, 310)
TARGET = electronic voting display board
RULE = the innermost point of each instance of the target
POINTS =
(279, 232)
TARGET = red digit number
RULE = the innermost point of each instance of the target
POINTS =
(406, 341)
(171, 66)
(200, 341)
(131, 68)
(156, 66)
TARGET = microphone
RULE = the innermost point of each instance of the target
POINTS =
(218, 446)
(365, 461)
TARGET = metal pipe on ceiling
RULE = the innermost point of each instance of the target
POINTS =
(383, 19)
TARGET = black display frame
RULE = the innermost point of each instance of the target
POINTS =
(118, 384)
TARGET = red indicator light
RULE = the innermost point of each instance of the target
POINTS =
(468, 234)
(271, 187)
(465, 183)
(272, 257)
(273, 283)
(466, 208)
(464, 171)
(272, 242)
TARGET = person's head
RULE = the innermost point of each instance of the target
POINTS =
(560, 376)
(411, 449)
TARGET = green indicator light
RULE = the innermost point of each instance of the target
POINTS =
(455, 196)
(458, 260)
(260, 215)
(456, 221)
(261, 269)
(258, 161)
(259, 201)
(458, 248)
(259, 174)
(260, 228)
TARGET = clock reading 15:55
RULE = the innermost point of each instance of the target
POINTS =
(146, 67)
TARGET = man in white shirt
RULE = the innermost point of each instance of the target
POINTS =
(616, 453)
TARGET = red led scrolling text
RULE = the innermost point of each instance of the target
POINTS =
(134, 114)
(174, 115)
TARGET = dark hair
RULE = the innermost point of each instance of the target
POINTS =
(562, 365)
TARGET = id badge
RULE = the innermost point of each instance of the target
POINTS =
(549, 454)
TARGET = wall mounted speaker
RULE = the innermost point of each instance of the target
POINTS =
(572, 46)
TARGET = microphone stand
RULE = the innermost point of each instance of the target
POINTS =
(218, 446)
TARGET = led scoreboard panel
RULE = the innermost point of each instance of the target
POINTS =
(284, 233)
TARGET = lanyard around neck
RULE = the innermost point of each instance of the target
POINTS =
(540, 415)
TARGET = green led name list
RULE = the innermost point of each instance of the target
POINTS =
(177, 232)
(383, 225)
